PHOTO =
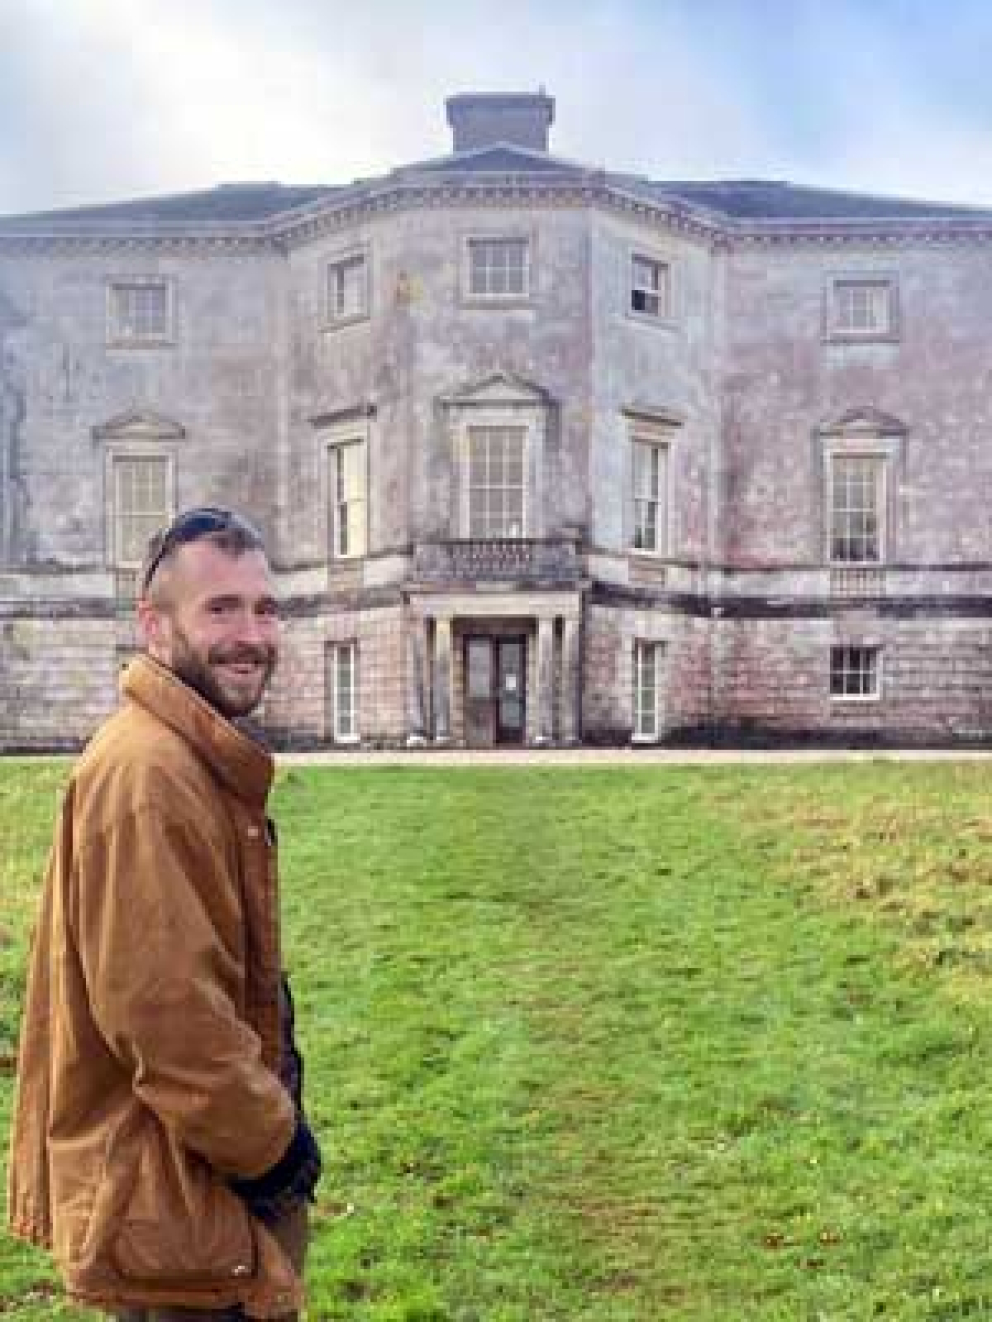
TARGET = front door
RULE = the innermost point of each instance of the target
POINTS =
(495, 698)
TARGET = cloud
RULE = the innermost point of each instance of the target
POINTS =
(106, 99)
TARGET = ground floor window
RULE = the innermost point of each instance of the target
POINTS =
(855, 672)
(343, 676)
(647, 690)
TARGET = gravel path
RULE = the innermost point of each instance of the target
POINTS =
(625, 757)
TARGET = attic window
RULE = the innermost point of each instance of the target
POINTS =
(650, 286)
(348, 288)
(139, 311)
(498, 268)
(861, 308)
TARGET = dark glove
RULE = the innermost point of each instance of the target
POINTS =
(287, 1184)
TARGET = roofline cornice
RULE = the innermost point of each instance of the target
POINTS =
(293, 228)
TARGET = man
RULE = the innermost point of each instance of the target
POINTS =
(159, 1146)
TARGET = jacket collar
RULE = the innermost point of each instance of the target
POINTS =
(244, 766)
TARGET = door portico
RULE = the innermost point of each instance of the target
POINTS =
(489, 670)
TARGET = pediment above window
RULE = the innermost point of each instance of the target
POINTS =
(658, 415)
(139, 425)
(864, 421)
(498, 390)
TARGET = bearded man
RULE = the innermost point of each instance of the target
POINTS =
(159, 1146)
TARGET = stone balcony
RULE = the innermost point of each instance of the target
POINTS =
(522, 561)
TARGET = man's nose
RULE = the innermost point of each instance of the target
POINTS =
(257, 629)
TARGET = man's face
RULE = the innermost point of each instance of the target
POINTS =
(214, 623)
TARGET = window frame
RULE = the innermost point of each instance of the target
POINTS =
(666, 314)
(336, 451)
(115, 455)
(836, 331)
(654, 648)
(336, 650)
(359, 253)
(480, 427)
(659, 430)
(875, 671)
(119, 338)
(655, 444)
(471, 297)
(880, 461)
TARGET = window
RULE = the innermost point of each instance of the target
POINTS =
(347, 497)
(650, 482)
(348, 288)
(650, 287)
(857, 502)
(496, 482)
(141, 505)
(860, 308)
(139, 311)
(498, 268)
(647, 675)
(344, 691)
(855, 672)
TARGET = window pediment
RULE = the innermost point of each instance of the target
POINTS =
(865, 421)
(140, 425)
(499, 389)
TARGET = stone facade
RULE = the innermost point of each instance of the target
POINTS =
(542, 453)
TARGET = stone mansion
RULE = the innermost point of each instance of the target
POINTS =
(544, 453)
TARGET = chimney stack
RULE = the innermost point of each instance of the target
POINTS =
(483, 119)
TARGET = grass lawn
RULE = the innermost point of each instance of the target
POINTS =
(595, 1045)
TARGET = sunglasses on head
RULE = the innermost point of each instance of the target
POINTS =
(190, 526)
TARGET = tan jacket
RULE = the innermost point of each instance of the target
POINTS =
(149, 1058)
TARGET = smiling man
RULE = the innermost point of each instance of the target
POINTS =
(159, 1145)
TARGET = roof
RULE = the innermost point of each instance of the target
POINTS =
(250, 207)
(225, 203)
(771, 199)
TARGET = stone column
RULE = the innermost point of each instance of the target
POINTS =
(545, 678)
(416, 653)
(571, 682)
(442, 679)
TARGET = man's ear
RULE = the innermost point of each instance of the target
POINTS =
(151, 626)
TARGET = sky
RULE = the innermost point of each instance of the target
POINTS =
(105, 100)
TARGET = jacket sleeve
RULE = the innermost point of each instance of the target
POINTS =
(152, 905)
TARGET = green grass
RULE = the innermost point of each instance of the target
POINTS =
(623, 1045)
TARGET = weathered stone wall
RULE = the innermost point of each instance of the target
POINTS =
(783, 379)
(58, 680)
(299, 706)
(638, 365)
(218, 381)
(772, 677)
(610, 633)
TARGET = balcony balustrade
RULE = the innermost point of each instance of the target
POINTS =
(520, 559)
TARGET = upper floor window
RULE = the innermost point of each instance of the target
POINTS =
(348, 482)
(498, 268)
(348, 288)
(142, 503)
(496, 482)
(857, 504)
(861, 308)
(139, 311)
(650, 488)
(650, 287)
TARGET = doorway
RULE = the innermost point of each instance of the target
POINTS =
(495, 691)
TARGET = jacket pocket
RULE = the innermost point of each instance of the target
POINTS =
(182, 1225)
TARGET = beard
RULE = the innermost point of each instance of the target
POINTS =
(229, 692)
